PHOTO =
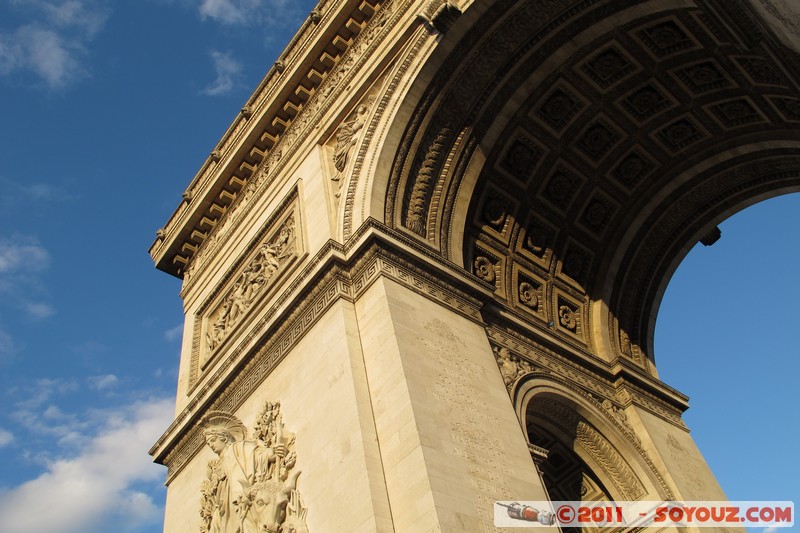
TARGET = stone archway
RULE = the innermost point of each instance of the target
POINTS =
(570, 153)
(488, 198)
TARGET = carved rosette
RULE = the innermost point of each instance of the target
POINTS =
(568, 317)
(251, 487)
(529, 295)
(484, 269)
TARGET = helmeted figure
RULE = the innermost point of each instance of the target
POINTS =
(251, 482)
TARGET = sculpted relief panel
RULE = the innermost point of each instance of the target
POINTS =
(252, 484)
(344, 143)
(247, 288)
(247, 283)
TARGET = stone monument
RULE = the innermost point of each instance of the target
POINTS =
(424, 262)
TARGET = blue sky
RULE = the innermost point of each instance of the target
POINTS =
(107, 110)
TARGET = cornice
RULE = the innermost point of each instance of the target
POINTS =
(297, 76)
(336, 272)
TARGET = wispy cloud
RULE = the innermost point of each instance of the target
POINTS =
(22, 258)
(36, 411)
(86, 16)
(228, 72)
(250, 13)
(174, 334)
(24, 195)
(53, 43)
(39, 310)
(5, 438)
(8, 347)
(232, 12)
(22, 253)
(89, 347)
(108, 381)
(100, 485)
(33, 396)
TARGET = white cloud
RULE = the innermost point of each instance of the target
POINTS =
(41, 392)
(228, 73)
(39, 310)
(8, 347)
(22, 253)
(42, 191)
(87, 17)
(42, 51)
(174, 333)
(100, 486)
(251, 13)
(21, 259)
(232, 12)
(53, 43)
(90, 347)
(20, 197)
(35, 413)
(103, 382)
(50, 56)
(5, 438)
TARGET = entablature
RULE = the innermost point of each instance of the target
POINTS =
(309, 59)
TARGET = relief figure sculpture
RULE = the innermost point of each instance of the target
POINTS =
(252, 484)
(346, 138)
(255, 276)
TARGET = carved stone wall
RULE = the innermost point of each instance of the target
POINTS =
(242, 290)
(536, 169)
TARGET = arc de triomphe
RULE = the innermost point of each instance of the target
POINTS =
(421, 269)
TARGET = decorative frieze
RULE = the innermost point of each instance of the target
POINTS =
(257, 275)
(276, 248)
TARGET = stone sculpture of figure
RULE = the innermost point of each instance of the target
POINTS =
(219, 326)
(346, 138)
(240, 465)
(238, 301)
(510, 368)
(268, 258)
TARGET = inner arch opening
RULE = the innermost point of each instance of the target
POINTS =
(726, 336)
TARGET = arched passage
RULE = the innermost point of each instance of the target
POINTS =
(571, 153)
